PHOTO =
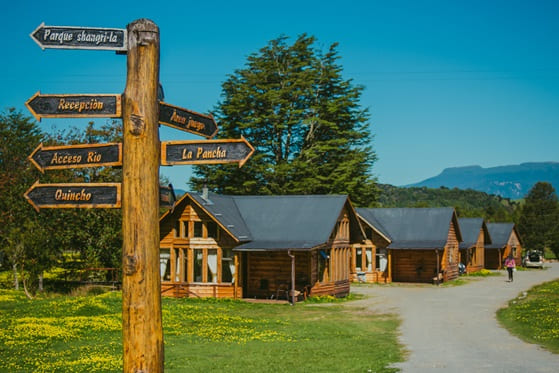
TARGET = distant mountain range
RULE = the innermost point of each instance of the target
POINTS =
(512, 182)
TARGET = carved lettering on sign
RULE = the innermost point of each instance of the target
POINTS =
(60, 195)
(217, 153)
(65, 159)
(80, 106)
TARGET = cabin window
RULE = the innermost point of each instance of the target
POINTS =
(358, 259)
(514, 251)
(381, 260)
(212, 229)
(178, 267)
(323, 267)
(177, 229)
(198, 264)
(212, 265)
(185, 231)
(369, 259)
(227, 266)
(164, 264)
(198, 229)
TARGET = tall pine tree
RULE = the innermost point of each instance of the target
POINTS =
(538, 224)
(305, 121)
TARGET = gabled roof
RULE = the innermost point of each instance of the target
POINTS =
(413, 228)
(275, 222)
(500, 234)
(470, 228)
(283, 222)
(225, 211)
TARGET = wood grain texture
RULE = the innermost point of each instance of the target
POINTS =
(141, 297)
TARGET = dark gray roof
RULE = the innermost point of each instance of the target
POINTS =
(224, 209)
(412, 228)
(276, 222)
(500, 234)
(470, 228)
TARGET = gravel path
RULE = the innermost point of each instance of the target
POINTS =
(454, 329)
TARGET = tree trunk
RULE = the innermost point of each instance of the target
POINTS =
(16, 279)
(41, 276)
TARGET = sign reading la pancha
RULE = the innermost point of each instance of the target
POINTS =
(206, 152)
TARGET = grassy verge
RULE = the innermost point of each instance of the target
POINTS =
(533, 316)
(83, 334)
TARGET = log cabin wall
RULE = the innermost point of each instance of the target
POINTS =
(476, 260)
(196, 256)
(515, 247)
(414, 265)
(450, 257)
(493, 258)
(269, 273)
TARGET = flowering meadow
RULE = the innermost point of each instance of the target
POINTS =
(83, 334)
(534, 316)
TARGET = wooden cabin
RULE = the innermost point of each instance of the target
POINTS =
(472, 249)
(422, 243)
(371, 262)
(504, 241)
(258, 246)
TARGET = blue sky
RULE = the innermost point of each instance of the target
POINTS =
(448, 83)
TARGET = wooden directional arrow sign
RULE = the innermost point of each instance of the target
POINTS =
(71, 37)
(81, 195)
(187, 120)
(75, 156)
(206, 152)
(75, 106)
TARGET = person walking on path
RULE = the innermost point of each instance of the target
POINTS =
(510, 264)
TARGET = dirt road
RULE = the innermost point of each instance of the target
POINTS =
(454, 329)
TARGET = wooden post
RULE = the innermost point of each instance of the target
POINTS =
(141, 285)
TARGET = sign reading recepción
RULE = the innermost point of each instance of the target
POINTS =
(72, 37)
(75, 106)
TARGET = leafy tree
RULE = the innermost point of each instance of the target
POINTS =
(94, 233)
(310, 134)
(538, 224)
(19, 135)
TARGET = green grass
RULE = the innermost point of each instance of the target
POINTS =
(83, 334)
(484, 273)
(534, 316)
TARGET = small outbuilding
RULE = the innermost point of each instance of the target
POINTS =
(422, 243)
(258, 246)
(504, 241)
(472, 249)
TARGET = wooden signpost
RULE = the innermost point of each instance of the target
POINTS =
(74, 156)
(187, 120)
(141, 110)
(75, 106)
(206, 152)
(71, 37)
(79, 195)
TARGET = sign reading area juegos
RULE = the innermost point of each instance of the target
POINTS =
(70, 37)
